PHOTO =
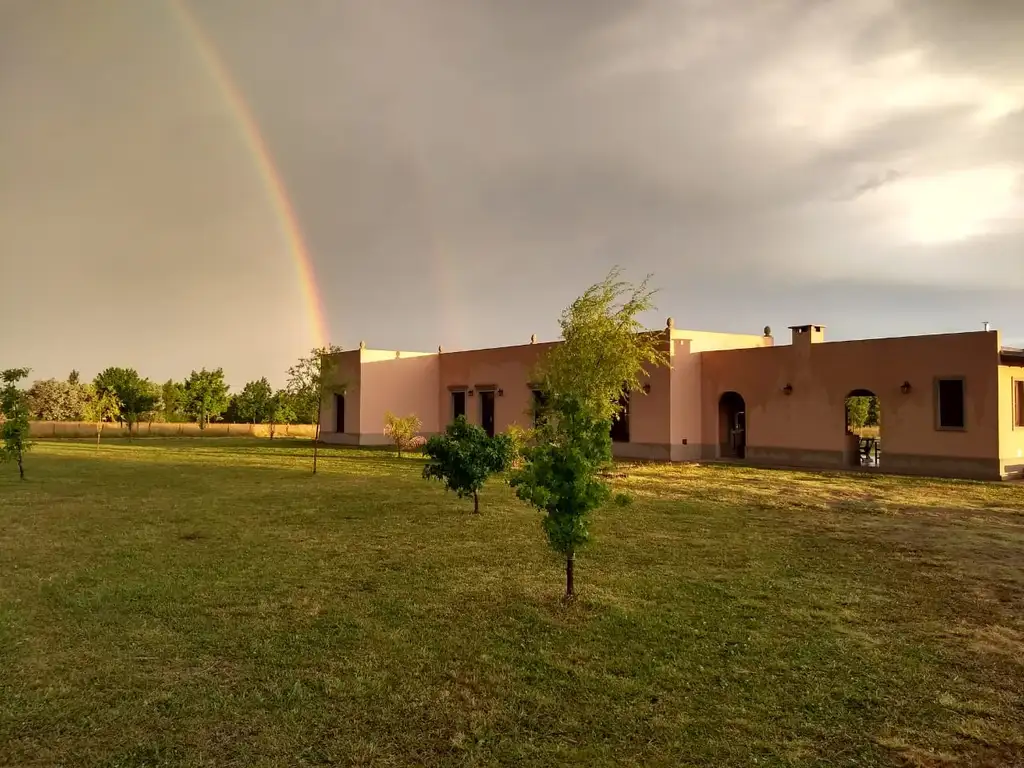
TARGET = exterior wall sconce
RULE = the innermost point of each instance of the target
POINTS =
(905, 387)
(501, 393)
(647, 389)
(787, 390)
(469, 392)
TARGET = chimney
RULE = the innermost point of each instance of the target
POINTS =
(805, 335)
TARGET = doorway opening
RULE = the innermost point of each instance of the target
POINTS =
(487, 411)
(620, 422)
(863, 428)
(732, 426)
(339, 411)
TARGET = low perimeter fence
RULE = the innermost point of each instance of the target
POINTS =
(44, 429)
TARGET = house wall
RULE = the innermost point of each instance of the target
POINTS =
(345, 376)
(510, 369)
(808, 427)
(404, 384)
(1011, 437)
(687, 385)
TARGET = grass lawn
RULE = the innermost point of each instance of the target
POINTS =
(210, 603)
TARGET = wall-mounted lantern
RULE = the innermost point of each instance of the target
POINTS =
(647, 388)
(501, 393)
(905, 387)
(469, 392)
(787, 390)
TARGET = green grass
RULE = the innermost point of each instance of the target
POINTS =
(210, 603)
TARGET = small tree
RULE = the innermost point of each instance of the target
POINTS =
(464, 457)
(206, 395)
(100, 407)
(604, 355)
(14, 430)
(281, 411)
(403, 431)
(308, 380)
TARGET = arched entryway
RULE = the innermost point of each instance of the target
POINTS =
(863, 422)
(732, 426)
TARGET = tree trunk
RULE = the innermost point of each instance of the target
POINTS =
(99, 431)
(570, 561)
(476, 504)
(21, 467)
(316, 440)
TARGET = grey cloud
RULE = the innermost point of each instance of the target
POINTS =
(459, 154)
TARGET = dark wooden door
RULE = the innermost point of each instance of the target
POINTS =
(339, 407)
(487, 412)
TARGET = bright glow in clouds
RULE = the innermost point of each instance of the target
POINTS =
(953, 206)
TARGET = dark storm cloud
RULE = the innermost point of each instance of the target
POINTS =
(459, 153)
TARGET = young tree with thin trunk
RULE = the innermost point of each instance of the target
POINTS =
(464, 457)
(308, 382)
(281, 411)
(137, 395)
(100, 407)
(14, 429)
(605, 355)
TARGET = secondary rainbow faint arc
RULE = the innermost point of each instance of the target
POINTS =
(276, 191)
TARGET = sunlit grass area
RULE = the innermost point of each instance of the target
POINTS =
(211, 603)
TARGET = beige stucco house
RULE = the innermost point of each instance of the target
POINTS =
(952, 404)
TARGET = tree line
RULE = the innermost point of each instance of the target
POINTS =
(122, 395)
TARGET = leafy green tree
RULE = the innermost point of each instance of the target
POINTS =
(99, 407)
(605, 351)
(14, 431)
(136, 394)
(54, 400)
(874, 418)
(403, 431)
(281, 411)
(73, 377)
(172, 395)
(856, 413)
(252, 405)
(560, 476)
(308, 382)
(205, 395)
(464, 457)
(604, 355)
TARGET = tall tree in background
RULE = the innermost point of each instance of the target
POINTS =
(308, 381)
(172, 394)
(605, 354)
(206, 395)
(281, 411)
(100, 407)
(136, 394)
(73, 377)
(55, 400)
(14, 429)
(252, 405)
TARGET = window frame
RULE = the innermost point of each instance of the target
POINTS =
(1017, 412)
(937, 403)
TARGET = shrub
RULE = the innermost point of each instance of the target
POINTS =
(402, 430)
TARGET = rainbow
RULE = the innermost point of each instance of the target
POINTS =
(271, 178)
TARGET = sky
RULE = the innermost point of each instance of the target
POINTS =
(460, 170)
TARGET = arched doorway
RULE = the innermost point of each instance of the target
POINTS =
(732, 426)
(863, 421)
